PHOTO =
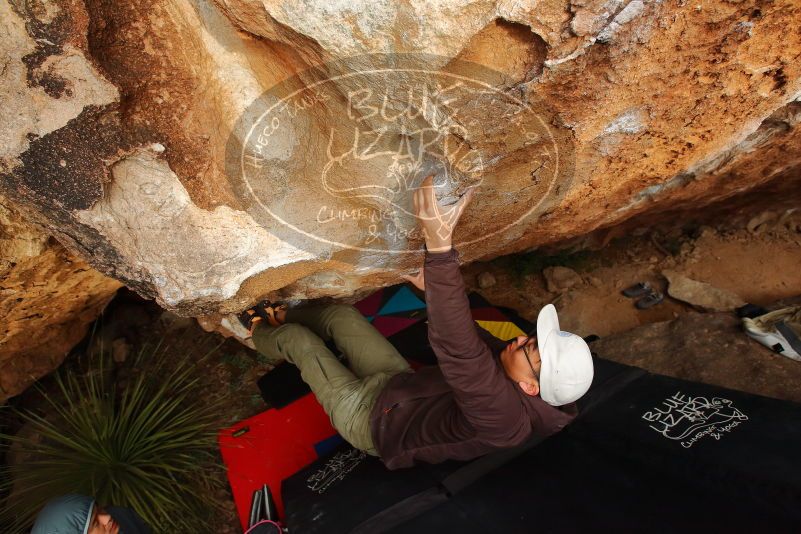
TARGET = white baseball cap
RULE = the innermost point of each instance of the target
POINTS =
(566, 371)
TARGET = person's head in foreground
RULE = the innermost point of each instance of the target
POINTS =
(74, 514)
(556, 365)
(79, 514)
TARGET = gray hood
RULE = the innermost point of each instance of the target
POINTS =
(69, 514)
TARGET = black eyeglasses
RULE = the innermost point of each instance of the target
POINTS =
(528, 359)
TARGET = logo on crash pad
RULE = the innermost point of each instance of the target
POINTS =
(334, 470)
(688, 419)
(328, 160)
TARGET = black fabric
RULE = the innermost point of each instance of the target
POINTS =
(412, 343)
(569, 485)
(361, 487)
(128, 520)
(282, 385)
(403, 511)
(611, 469)
(608, 378)
(743, 445)
(417, 504)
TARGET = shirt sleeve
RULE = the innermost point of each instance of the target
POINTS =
(484, 393)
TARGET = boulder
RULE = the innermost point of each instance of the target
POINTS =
(48, 299)
(207, 154)
(559, 279)
(700, 294)
(486, 279)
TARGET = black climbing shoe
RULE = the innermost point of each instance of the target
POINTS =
(651, 299)
(637, 290)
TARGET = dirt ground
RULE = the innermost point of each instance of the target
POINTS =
(761, 267)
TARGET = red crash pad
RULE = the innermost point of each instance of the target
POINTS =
(271, 446)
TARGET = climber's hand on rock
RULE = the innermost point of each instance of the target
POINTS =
(438, 221)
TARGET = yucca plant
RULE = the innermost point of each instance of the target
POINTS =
(144, 441)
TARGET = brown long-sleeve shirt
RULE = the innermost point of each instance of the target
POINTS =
(466, 406)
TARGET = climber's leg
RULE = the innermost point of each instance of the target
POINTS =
(367, 351)
(345, 398)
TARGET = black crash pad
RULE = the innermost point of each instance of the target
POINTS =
(647, 452)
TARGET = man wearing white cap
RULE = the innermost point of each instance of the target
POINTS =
(559, 364)
(485, 394)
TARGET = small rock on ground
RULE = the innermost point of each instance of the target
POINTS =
(485, 280)
(560, 278)
(700, 294)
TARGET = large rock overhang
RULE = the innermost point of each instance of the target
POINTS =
(138, 116)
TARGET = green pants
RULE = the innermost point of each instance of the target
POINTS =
(346, 393)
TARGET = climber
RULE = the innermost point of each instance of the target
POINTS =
(485, 394)
(79, 514)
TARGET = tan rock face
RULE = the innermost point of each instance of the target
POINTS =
(48, 298)
(207, 153)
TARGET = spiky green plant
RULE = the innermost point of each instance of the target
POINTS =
(145, 441)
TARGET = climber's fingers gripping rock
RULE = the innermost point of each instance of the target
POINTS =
(438, 221)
